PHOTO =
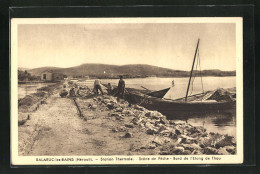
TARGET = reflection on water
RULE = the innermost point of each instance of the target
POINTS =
(29, 88)
(223, 123)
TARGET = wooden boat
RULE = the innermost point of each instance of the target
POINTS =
(199, 103)
(194, 104)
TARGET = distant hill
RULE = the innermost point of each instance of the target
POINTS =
(23, 69)
(38, 71)
(133, 70)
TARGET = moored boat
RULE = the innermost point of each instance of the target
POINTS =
(194, 104)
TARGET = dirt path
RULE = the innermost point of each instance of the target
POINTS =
(60, 131)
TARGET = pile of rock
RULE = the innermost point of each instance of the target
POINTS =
(168, 137)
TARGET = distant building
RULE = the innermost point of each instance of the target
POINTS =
(46, 76)
(51, 76)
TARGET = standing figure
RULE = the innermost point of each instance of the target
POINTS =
(97, 86)
(72, 92)
(121, 88)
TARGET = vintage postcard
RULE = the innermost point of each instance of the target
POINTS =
(111, 91)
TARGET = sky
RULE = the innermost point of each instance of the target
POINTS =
(168, 45)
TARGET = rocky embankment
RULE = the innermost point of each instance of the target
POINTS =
(166, 137)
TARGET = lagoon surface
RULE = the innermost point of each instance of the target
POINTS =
(29, 88)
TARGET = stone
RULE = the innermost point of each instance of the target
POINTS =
(196, 152)
(113, 114)
(106, 101)
(124, 111)
(191, 147)
(179, 140)
(151, 131)
(128, 135)
(186, 152)
(114, 130)
(209, 151)
(135, 121)
(129, 125)
(165, 132)
(192, 130)
(94, 106)
(173, 135)
(121, 129)
(138, 107)
(131, 113)
(224, 141)
(172, 122)
(222, 151)
(201, 129)
(151, 146)
(177, 132)
(119, 117)
(110, 105)
(119, 109)
(163, 120)
(161, 128)
(148, 124)
(230, 149)
(148, 146)
(153, 114)
(158, 141)
(43, 102)
(178, 150)
(205, 134)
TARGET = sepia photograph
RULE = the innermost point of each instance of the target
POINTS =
(126, 91)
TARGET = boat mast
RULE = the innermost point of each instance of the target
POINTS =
(192, 70)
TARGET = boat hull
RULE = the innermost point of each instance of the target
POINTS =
(171, 108)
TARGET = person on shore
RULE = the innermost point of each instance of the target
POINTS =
(72, 92)
(77, 91)
(97, 86)
(109, 88)
(121, 88)
(63, 92)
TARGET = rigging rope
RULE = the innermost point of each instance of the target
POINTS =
(193, 78)
(200, 72)
(197, 63)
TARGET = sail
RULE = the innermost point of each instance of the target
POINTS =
(170, 94)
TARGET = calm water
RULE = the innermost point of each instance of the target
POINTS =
(224, 123)
(29, 88)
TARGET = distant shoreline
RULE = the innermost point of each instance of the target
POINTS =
(134, 77)
(25, 82)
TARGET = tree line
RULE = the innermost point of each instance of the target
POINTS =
(24, 76)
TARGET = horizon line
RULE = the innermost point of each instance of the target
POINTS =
(118, 65)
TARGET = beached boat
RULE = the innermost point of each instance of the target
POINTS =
(211, 101)
(219, 100)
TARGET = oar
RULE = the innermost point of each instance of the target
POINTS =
(145, 88)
